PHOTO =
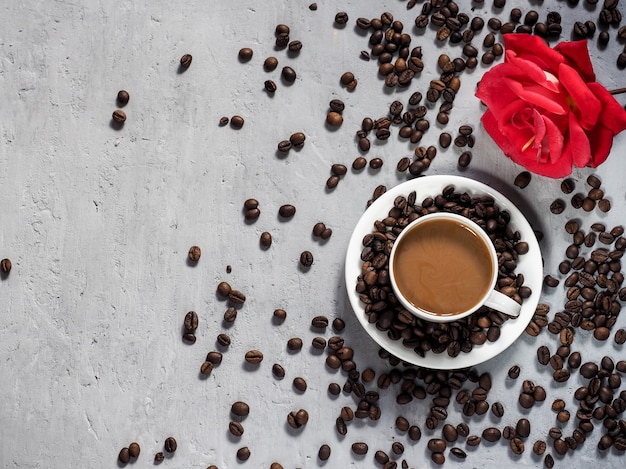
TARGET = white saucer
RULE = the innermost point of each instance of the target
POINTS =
(530, 264)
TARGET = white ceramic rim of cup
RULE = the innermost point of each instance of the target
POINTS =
(420, 313)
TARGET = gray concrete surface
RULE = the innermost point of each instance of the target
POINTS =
(98, 220)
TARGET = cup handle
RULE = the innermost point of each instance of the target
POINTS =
(504, 304)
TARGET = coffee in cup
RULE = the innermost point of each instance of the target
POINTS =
(443, 267)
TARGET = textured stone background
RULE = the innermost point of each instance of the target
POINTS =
(98, 221)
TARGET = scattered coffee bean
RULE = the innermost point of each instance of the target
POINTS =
(306, 259)
(159, 457)
(299, 384)
(289, 75)
(170, 444)
(359, 448)
(194, 254)
(119, 116)
(334, 119)
(243, 454)
(287, 211)
(122, 98)
(236, 122)
(124, 455)
(254, 357)
(245, 54)
(278, 371)
(514, 372)
(522, 179)
(185, 61)
(324, 452)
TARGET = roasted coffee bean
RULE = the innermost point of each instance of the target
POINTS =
(620, 336)
(557, 206)
(294, 344)
(300, 384)
(526, 400)
(254, 357)
(497, 409)
(206, 368)
(280, 314)
(236, 122)
(514, 372)
(548, 461)
(237, 297)
(265, 239)
(230, 315)
(245, 54)
(491, 434)
(297, 139)
(543, 355)
(449, 433)
(436, 445)
(464, 159)
(170, 444)
(306, 259)
(517, 446)
(341, 18)
(324, 452)
(159, 457)
(522, 179)
(124, 455)
(270, 64)
(223, 340)
(522, 428)
(334, 119)
(119, 116)
(235, 428)
(214, 357)
(289, 75)
(287, 211)
(243, 454)
(191, 321)
(185, 61)
(359, 448)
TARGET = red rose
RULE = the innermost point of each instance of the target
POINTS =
(545, 109)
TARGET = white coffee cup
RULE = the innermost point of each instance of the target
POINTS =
(470, 241)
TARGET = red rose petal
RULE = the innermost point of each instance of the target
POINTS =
(538, 96)
(535, 49)
(613, 115)
(585, 105)
(578, 143)
(601, 141)
(577, 56)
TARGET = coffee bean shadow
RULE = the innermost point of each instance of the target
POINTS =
(191, 263)
(227, 325)
(202, 376)
(276, 321)
(180, 70)
(361, 32)
(331, 128)
(116, 125)
(281, 155)
(121, 464)
(232, 438)
(286, 82)
(278, 48)
(315, 351)
(304, 269)
(250, 367)
(293, 431)
(293, 54)
(4, 276)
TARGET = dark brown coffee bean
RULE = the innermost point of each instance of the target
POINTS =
(206, 368)
(620, 336)
(560, 376)
(185, 61)
(436, 445)
(191, 321)
(159, 457)
(334, 119)
(223, 340)
(557, 206)
(341, 18)
(543, 355)
(235, 428)
(254, 357)
(548, 461)
(526, 400)
(464, 159)
(236, 122)
(497, 409)
(265, 239)
(491, 434)
(522, 179)
(299, 384)
(289, 75)
(270, 64)
(287, 211)
(243, 454)
(119, 116)
(324, 452)
(522, 428)
(237, 297)
(245, 54)
(294, 344)
(514, 372)
(306, 259)
(170, 444)
(124, 455)
(359, 448)
(214, 357)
